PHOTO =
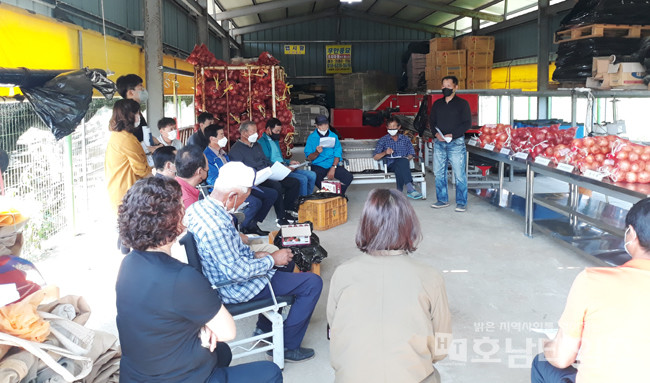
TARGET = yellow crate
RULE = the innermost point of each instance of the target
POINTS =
(324, 213)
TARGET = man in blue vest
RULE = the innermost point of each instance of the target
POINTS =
(325, 159)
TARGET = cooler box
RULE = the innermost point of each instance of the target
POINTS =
(324, 213)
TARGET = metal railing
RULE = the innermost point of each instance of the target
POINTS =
(45, 174)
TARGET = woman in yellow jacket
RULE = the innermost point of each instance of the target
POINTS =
(125, 160)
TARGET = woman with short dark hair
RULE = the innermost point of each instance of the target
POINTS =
(125, 161)
(168, 316)
(388, 312)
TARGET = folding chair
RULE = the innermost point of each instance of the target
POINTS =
(269, 307)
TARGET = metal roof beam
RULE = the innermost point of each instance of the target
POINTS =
(279, 23)
(452, 10)
(258, 8)
(222, 32)
(397, 22)
(494, 2)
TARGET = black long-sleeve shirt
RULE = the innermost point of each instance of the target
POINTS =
(251, 156)
(453, 117)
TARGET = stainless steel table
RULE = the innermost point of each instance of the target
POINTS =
(569, 206)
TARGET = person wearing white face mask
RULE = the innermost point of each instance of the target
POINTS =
(250, 152)
(606, 317)
(131, 87)
(261, 199)
(167, 133)
(224, 256)
(325, 159)
(397, 152)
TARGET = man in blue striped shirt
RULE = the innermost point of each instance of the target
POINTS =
(224, 257)
(397, 152)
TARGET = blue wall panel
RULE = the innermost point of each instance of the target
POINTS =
(374, 46)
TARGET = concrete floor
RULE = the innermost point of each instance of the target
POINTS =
(500, 284)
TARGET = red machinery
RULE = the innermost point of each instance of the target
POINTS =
(349, 122)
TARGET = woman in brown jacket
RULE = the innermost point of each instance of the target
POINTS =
(388, 312)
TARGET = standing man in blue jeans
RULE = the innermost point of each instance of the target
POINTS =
(449, 119)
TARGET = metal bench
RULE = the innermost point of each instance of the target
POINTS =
(357, 158)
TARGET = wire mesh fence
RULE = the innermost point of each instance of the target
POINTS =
(62, 183)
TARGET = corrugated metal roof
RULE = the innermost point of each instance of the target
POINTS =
(454, 17)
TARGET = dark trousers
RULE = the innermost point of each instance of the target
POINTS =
(306, 287)
(259, 205)
(402, 169)
(262, 371)
(340, 174)
(543, 372)
(288, 190)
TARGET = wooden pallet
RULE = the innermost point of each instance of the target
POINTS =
(567, 85)
(602, 30)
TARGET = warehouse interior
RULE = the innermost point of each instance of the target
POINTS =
(557, 91)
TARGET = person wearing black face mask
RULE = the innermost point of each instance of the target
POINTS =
(271, 147)
(449, 119)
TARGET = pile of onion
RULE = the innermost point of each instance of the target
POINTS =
(237, 95)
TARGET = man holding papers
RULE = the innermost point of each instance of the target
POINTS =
(249, 151)
(397, 152)
(271, 147)
(449, 119)
(323, 149)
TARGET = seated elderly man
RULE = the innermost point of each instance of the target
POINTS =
(325, 159)
(606, 317)
(249, 151)
(225, 257)
(261, 199)
(397, 151)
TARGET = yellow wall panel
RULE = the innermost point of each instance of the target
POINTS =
(522, 77)
(39, 42)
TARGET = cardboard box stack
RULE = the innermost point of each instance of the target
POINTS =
(417, 64)
(607, 74)
(480, 57)
(443, 60)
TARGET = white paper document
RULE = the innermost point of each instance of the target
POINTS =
(279, 172)
(262, 175)
(448, 139)
(296, 166)
(327, 142)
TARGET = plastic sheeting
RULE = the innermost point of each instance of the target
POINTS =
(574, 58)
(629, 12)
(63, 101)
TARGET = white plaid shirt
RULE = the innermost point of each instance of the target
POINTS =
(224, 257)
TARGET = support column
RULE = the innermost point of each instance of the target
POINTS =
(225, 42)
(476, 25)
(542, 57)
(153, 61)
(202, 27)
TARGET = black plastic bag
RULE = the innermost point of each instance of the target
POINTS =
(422, 118)
(630, 12)
(574, 58)
(62, 102)
(305, 256)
